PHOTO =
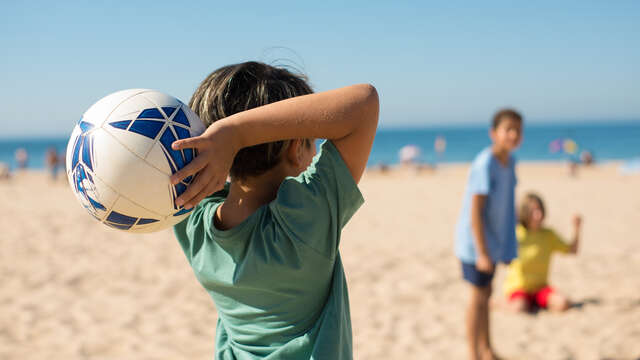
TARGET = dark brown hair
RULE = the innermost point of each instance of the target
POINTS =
(525, 208)
(239, 87)
(503, 114)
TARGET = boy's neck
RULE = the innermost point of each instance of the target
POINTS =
(246, 197)
(501, 154)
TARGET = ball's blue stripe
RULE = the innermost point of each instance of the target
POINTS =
(148, 128)
(144, 221)
(152, 113)
(86, 151)
(118, 218)
(183, 211)
(166, 140)
(181, 118)
(168, 110)
(120, 124)
(182, 132)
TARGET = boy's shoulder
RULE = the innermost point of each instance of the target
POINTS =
(484, 157)
(483, 162)
(326, 176)
(203, 209)
(487, 159)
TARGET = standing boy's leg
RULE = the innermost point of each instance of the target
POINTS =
(484, 339)
(478, 336)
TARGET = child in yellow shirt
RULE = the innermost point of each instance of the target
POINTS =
(526, 284)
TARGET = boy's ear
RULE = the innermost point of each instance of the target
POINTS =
(492, 134)
(294, 152)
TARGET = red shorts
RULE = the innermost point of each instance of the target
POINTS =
(539, 298)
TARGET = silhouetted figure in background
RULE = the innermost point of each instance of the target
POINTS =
(52, 162)
(5, 173)
(22, 158)
(440, 146)
(586, 157)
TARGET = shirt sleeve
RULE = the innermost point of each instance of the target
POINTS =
(557, 243)
(194, 231)
(314, 206)
(479, 177)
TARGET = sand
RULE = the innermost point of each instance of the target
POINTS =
(70, 288)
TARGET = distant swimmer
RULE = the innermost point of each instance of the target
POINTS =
(5, 173)
(440, 145)
(22, 158)
(51, 159)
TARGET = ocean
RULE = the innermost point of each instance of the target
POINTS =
(606, 141)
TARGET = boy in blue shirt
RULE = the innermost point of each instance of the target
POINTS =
(265, 245)
(485, 234)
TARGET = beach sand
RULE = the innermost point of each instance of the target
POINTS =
(71, 288)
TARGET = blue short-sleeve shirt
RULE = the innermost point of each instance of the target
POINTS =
(489, 177)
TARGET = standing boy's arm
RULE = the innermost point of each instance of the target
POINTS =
(483, 261)
(577, 222)
(348, 116)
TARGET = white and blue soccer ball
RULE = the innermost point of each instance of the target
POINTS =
(119, 159)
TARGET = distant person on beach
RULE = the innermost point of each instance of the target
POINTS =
(22, 158)
(485, 233)
(527, 282)
(51, 159)
(440, 146)
(586, 158)
(265, 246)
(62, 162)
(5, 172)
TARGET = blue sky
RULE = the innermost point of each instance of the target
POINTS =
(433, 63)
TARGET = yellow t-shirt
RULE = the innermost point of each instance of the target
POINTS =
(529, 271)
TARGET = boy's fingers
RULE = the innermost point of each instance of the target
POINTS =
(209, 189)
(192, 190)
(190, 169)
(194, 142)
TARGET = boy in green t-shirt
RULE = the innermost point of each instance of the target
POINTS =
(265, 245)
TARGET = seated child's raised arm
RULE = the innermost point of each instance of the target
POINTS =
(577, 223)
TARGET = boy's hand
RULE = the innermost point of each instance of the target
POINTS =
(216, 150)
(484, 263)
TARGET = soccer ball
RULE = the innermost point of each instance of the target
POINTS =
(119, 159)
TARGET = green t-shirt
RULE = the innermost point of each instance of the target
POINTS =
(277, 279)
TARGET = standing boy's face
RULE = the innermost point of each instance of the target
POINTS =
(508, 134)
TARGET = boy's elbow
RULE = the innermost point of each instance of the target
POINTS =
(371, 101)
(371, 96)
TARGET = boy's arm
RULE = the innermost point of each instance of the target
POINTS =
(577, 222)
(348, 116)
(483, 261)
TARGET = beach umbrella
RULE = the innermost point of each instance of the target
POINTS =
(569, 146)
(555, 146)
(409, 153)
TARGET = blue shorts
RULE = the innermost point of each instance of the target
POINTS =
(475, 277)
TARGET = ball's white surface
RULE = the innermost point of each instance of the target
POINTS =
(119, 159)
